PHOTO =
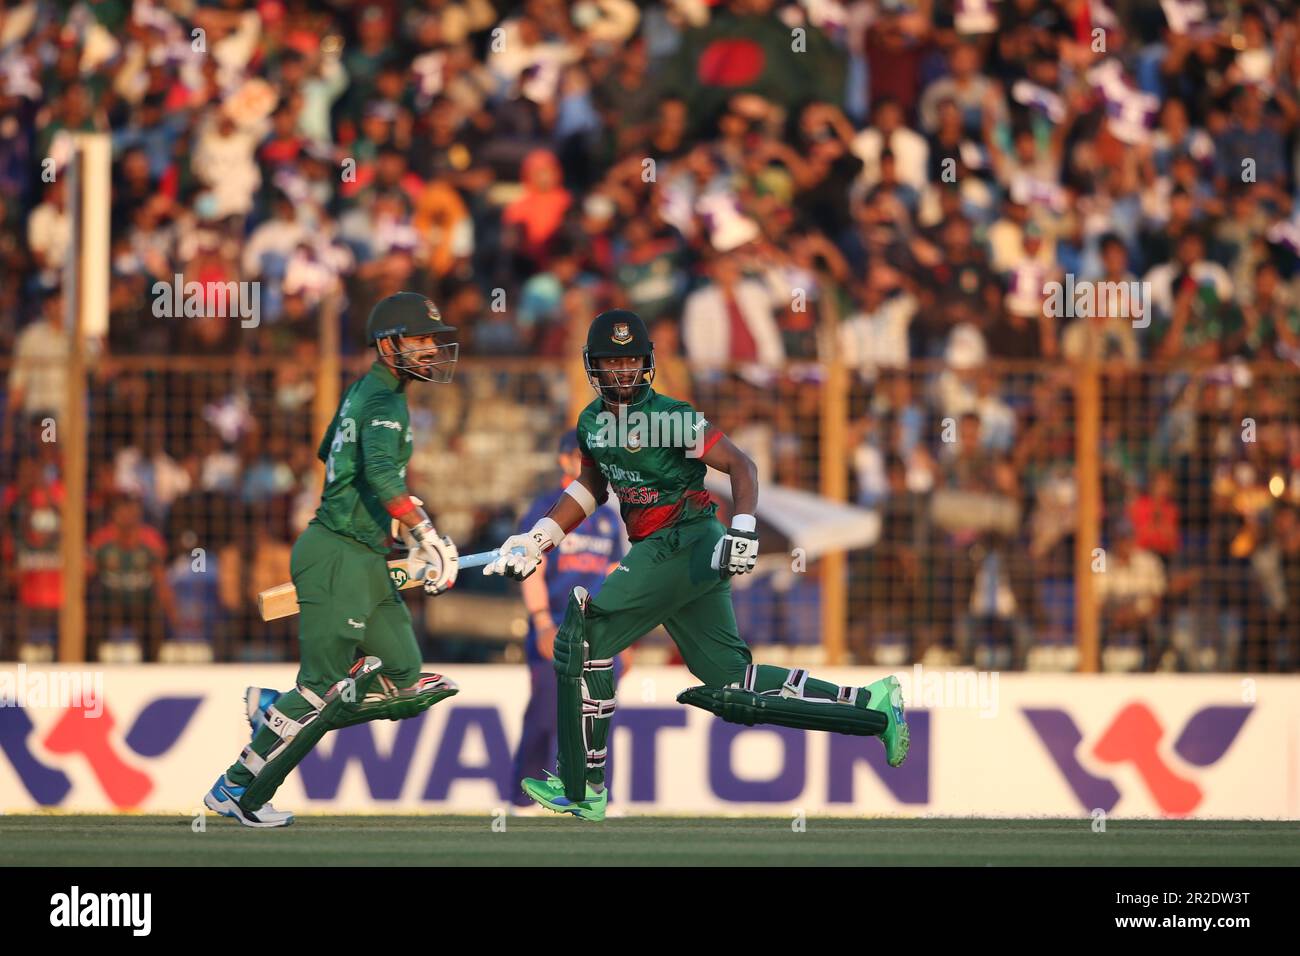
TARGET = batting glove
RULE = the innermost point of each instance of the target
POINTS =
(737, 551)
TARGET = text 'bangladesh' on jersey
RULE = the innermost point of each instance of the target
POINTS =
(365, 452)
(650, 455)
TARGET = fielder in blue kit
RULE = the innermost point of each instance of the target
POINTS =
(583, 559)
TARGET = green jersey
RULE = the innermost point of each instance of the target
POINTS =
(650, 455)
(365, 451)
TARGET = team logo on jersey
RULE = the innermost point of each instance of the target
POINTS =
(622, 334)
(633, 443)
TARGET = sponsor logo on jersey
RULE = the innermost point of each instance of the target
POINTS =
(380, 423)
(357, 624)
(641, 495)
(619, 473)
(671, 428)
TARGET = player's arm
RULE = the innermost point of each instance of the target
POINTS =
(381, 431)
(731, 461)
(577, 503)
(326, 443)
(538, 604)
(737, 550)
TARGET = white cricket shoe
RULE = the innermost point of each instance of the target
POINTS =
(224, 796)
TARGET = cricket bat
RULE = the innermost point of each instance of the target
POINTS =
(282, 600)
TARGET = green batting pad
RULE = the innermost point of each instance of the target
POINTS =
(312, 728)
(569, 655)
(401, 704)
(745, 707)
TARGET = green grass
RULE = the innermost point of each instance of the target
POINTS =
(53, 840)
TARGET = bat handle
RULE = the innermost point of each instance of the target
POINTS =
(483, 557)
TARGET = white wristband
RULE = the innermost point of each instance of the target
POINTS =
(550, 532)
(744, 522)
(579, 493)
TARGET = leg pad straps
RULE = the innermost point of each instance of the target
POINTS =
(739, 706)
(297, 738)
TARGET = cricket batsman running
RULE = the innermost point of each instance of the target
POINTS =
(676, 574)
(360, 660)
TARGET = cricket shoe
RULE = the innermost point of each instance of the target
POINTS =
(887, 698)
(256, 700)
(550, 794)
(224, 796)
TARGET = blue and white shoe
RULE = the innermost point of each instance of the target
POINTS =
(224, 796)
(256, 700)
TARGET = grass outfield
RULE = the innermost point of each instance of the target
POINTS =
(677, 841)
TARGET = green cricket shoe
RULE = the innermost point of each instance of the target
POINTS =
(887, 699)
(550, 794)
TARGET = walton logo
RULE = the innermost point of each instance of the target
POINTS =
(1133, 737)
(155, 731)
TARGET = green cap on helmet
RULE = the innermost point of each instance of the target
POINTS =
(402, 316)
(614, 334)
(618, 332)
(404, 313)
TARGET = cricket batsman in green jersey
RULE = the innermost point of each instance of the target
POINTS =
(360, 660)
(652, 450)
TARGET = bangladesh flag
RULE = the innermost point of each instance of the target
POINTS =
(751, 54)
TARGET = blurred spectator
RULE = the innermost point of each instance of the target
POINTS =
(877, 336)
(30, 543)
(129, 597)
(538, 213)
(904, 205)
(1130, 593)
(38, 376)
(729, 319)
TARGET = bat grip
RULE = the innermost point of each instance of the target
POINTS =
(483, 557)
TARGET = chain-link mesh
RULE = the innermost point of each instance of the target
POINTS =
(201, 473)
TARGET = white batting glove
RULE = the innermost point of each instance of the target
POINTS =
(517, 566)
(544, 536)
(438, 576)
(426, 539)
(737, 551)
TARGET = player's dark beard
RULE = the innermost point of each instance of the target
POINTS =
(621, 394)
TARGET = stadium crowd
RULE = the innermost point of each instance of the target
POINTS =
(770, 184)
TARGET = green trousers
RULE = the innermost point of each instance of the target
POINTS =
(347, 604)
(667, 579)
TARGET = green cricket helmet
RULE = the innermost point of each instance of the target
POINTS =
(615, 334)
(405, 315)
